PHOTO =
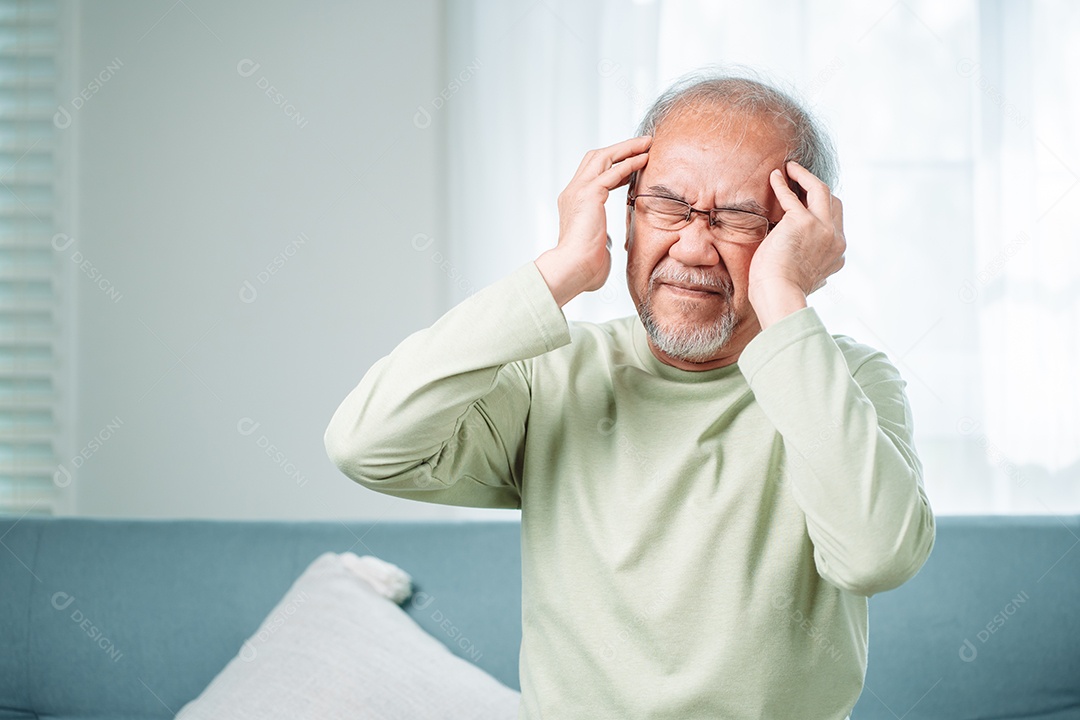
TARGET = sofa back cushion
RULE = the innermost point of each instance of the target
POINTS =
(987, 629)
(135, 618)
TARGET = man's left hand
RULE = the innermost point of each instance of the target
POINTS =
(801, 252)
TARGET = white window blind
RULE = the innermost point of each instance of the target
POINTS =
(31, 270)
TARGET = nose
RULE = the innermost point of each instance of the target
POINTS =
(695, 244)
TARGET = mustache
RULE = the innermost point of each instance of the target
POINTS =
(722, 285)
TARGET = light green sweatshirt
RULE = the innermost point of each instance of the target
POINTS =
(694, 544)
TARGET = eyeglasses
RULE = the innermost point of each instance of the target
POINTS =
(666, 213)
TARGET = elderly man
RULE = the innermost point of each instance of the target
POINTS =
(709, 492)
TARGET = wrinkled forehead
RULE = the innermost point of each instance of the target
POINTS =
(724, 128)
(710, 148)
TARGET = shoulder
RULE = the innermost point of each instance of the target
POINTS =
(863, 359)
(591, 344)
(610, 333)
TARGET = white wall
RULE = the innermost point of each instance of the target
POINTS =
(190, 181)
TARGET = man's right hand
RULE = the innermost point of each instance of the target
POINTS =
(582, 259)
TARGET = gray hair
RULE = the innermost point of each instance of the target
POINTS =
(748, 92)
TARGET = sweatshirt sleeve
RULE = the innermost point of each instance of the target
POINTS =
(851, 461)
(442, 418)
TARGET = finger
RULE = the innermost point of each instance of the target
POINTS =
(838, 213)
(627, 148)
(599, 161)
(789, 201)
(818, 195)
(619, 174)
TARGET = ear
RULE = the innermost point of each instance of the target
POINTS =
(629, 220)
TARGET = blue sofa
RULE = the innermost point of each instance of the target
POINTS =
(132, 619)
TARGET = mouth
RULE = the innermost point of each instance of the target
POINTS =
(688, 290)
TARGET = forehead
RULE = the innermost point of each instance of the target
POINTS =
(715, 149)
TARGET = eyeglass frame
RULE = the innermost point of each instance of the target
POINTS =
(690, 210)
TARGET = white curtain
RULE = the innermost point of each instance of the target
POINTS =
(955, 124)
(552, 84)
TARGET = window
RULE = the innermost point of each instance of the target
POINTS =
(960, 166)
(33, 259)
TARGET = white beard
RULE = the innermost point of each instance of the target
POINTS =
(693, 343)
